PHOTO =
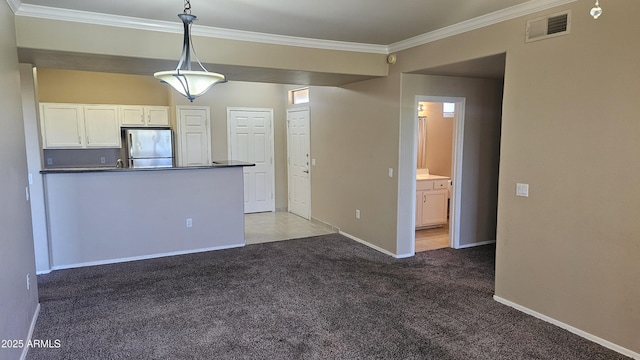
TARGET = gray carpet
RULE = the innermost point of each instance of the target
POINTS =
(324, 297)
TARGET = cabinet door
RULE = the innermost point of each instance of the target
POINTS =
(434, 207)
(132, 116)
(102, 127)
(157, 115)
(62, 126)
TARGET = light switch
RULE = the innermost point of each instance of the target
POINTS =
(313, 162)
(522, 189)
(390, 172)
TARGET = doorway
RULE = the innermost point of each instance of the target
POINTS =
(298, 169)
(433, 174)
(447, 161)
(250, 139)
(193, 124)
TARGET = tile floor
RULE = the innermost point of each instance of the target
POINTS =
(280, 225)
(431, 239)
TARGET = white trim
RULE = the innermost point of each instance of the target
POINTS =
(43, 272)
(465, 246)
(375, 247)
(14, 5)
(87, 17)
(145, 257)
(581, 333)
(32, 327)
(513, 12)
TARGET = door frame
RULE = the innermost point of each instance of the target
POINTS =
(177, 151)
(272, 138)
(289, 110)
(456, 165)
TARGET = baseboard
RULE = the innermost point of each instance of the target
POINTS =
(144, 257)
(476, 244)
(32, 327)
(581, 333)
(43, 272)
(386, 252)
(327, 225)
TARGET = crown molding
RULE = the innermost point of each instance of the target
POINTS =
(513, 12)
(51, 13)
(14, 5)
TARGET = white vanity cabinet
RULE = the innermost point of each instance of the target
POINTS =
(432, 202)
(77, 126)
(136, 116)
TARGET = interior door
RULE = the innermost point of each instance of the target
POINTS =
(194, 136)
(298, 150)
(250, 139)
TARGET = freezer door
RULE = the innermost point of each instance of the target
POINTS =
(149, 143)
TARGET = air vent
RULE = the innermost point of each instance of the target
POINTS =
(548, 26)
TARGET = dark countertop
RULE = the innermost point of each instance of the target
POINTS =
(215, 165)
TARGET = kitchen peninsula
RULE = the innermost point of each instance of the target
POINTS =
(105, 215)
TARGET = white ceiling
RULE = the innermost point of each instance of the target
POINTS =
(380, 26)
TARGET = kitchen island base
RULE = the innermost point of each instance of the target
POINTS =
(113, 216)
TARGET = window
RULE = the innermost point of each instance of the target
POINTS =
(448, 109)
(300, 96)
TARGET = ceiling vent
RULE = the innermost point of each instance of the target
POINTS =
(548, 26)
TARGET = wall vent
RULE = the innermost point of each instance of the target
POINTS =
(549, 26)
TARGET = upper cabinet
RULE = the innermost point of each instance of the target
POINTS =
(75, 126)
(135, 116)
(62, 125)
(101, 126)
(79, 126)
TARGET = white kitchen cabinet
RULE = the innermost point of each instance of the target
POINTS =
(431, 202)
(135, 116)
(62, 125)
(102, 126)
(77, 126)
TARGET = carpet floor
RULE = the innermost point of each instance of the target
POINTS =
(324, 297)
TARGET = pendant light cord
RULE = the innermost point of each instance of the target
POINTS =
(187, 7)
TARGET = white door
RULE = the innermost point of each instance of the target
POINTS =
(250, 139)
(298, 162)
(194, 136)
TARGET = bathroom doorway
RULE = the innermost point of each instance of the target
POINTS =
(435, 135)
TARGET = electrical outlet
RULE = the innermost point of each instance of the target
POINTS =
(357, 214)
(28, 282)
(49, 161)
(189, 222)
(102, 160)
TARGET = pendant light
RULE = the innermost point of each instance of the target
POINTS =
(190, 83)
(596, 11)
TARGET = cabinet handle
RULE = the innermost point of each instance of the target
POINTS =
(424, 198)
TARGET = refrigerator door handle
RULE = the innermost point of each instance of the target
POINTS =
(130, 145)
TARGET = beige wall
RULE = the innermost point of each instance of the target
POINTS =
(249, 95)
(570, 250)
(85, 87)
(354, 136)
(18, 305)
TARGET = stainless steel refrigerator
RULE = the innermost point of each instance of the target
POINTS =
(149, 148)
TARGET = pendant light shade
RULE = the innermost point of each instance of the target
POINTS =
(188, 82)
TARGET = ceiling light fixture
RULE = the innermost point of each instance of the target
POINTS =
(596, 11)
(190, 83)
